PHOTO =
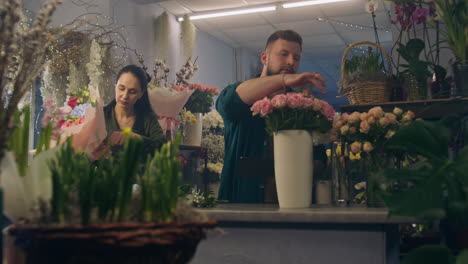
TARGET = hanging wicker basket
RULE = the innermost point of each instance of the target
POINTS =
(125, 243)
(365, 92)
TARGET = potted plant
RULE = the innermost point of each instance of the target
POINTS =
(97, 214)
(416, 73)
(363, 78)
(454, 14)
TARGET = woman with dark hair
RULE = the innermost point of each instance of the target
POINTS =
(131, 110)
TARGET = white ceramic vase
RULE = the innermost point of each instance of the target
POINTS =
(293, 151)
(193, 133)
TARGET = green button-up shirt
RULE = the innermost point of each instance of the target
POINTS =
(244, 136)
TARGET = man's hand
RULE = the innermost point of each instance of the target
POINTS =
(315, 79)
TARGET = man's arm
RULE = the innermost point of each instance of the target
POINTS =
(255, 89)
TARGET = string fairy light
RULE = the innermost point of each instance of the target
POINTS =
(345, 24)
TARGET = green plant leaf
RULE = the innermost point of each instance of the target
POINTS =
(430, 254)
(414, 47)
(422, 137)
(425, 200)
(462, 257)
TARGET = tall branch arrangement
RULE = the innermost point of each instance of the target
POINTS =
(22, 56)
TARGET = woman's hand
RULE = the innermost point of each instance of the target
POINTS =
(101, 151)
(118, 138)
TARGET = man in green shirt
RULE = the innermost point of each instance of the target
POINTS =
(245, 134)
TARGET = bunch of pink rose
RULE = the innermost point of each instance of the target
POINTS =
(294, 111)
(368, 131)
(293, 101)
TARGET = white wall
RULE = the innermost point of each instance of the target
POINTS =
(216, 59)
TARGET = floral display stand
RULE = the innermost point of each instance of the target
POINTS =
(105, 243)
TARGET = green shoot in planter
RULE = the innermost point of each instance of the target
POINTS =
(364, 64)
(19, 140)
(45, 135)
(160, 182)
(64, 172)
(127, 169)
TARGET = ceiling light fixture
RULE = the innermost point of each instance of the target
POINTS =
(308, 3)
(229, 13)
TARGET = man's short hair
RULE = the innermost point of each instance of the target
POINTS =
(289, 35)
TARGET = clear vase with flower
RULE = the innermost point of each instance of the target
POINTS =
(366, 134)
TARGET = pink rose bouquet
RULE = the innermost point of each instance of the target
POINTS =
(201, 99)
(294, 111)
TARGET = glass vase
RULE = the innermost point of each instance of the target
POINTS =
(340, 183)
(376, 183)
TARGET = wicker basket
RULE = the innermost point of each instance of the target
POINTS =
(126, 243)
(365, 92)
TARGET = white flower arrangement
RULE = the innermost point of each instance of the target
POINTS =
(187, 117)
(213, 120)
(215, 167)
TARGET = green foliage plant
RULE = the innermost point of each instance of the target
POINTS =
(454, 14)
(433, 187)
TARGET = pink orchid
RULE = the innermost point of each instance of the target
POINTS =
(420, 15)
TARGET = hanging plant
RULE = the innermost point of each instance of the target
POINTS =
(187, 36)
(161, 36)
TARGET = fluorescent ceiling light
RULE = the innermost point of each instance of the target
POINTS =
(229, 13)
(307, 3)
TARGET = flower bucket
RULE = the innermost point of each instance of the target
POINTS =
(124, 243)
(293, 155)
(193, 133)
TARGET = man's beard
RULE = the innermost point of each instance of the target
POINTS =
(271, 72)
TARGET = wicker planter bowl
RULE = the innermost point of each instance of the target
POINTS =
(124, 243)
